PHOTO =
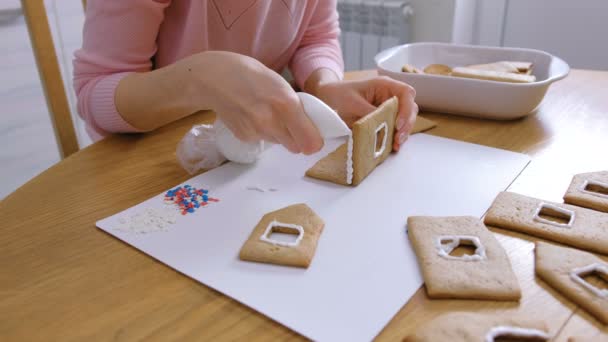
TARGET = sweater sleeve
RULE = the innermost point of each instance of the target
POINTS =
(119, 38)
(319, 47)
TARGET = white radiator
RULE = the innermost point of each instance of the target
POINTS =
(369, 27)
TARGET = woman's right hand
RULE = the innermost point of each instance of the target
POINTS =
(253, 101)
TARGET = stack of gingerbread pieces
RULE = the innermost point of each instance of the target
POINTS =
(486, 273)
(502, 71)
(581, 222)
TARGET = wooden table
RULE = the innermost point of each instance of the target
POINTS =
(63, 279)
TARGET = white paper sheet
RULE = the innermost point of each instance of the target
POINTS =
(364, 269)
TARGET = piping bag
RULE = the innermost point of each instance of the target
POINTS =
(208, 146)
(327, 121)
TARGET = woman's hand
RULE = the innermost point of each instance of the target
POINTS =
(355, 99)
(252, 100)
(255, 102)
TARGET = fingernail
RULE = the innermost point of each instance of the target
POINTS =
(400, 123)
(402, 137)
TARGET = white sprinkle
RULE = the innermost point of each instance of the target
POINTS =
(149, 220)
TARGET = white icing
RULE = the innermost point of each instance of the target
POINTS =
(444, 250)
(330, 125)
(384, 127)
(328, 122)
(502, 330)
(349, 160)
(149, 220)
(554, 208)
(576, 273)
(265, 237)
(261, 189)
(596, 183)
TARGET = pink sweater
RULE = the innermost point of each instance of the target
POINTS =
(126, 36)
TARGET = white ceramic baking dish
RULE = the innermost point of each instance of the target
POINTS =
(472, 97)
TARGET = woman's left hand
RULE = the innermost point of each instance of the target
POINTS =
(355, 99)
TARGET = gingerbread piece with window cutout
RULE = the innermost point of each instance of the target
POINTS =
(580, 276)
(589, 190)
(368, 146)
(571, 225)
(460, 258)
(268, 242)
(468, 326)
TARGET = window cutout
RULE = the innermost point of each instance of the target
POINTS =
(513, 334)
(593, 277)
(380, 137)
(465, 248)
(282, 234)
(457, 247)
(597, 279)
(595, 188)
(554, 215)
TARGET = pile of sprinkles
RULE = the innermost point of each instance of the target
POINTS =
(149, 220)
(188, 198)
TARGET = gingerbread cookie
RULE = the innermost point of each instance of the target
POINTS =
(473, 327)
(422, 124)
(563, 223)
(438, 69)
(497, 66)
(297, 219)
(490, 75)
(371, 144)
(589, 190)
(484, 274)
(504, 71)
(373, 139)
(523, 67)
(505, 66)
(411, 69)
(566, 269)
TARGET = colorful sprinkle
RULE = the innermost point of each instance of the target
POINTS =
(188, 198)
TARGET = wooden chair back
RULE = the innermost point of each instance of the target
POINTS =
(50, 75)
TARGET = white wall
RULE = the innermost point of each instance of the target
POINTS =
(489, 22)
(576, 31)
(432, 20)
(464, 26)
